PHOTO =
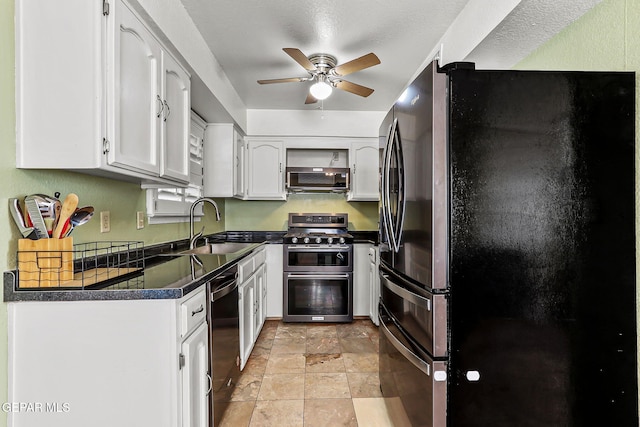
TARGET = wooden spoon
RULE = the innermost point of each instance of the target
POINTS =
(69, 206)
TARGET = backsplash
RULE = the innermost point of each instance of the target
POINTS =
(273, 215)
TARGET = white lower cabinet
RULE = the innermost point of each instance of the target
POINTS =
(109, 363)
(251, 301)
(374, 282)
(361, 284)
(195, 386)
(275, 284)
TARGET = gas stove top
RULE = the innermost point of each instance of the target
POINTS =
(319, 229)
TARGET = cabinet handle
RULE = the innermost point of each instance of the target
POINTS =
(168, 110)
(161, 106)
(210, 385)
(280, 167)
(199, 310)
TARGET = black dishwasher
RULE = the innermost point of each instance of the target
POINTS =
(224, 339)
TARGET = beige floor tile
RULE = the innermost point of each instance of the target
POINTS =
(361, 362)
(372, 412)
(365, 384)
(234, 414)
(326, 386)
(289, 345)
(291, 330)
(329, 413)
(256, 365)
(324, 362)
(280, 413)
(282, 387)
(286, 363)
(320, 330)
(358, 345)
(357, 329)
(247, 388)
(323, 345)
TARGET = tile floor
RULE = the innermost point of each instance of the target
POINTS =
(309, 375)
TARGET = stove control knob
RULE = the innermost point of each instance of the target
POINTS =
(341, 240)
(306, 240)
(318, 240)
(330, 240)
(294, 240)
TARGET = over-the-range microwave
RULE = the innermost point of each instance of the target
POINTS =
(316, 179)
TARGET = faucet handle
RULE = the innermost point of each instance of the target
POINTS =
(194, 239)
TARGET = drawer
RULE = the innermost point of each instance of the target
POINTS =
(245, 268)
(193, 311)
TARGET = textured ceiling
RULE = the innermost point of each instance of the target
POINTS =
(247, 38)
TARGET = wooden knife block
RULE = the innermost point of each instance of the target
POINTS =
(45, 263)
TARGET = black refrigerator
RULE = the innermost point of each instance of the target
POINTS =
(507, 249)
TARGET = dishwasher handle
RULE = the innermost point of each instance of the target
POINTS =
(225, 288)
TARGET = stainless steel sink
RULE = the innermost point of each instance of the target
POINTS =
(219, 248)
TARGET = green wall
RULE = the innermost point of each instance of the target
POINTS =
(607, 38)
(273, 215)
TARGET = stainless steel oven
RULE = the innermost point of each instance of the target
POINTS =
(318, 269)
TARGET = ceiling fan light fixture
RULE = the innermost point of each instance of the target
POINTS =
(321, 89)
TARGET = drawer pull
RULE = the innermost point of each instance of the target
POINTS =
(199, 310)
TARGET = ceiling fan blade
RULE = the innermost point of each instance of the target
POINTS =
(310, 99)
(287, 80)
(300, 58)
(354, 88)
(366, 61)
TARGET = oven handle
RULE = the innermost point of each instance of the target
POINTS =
(317, 249)
(317, 276)
(404, 293)
(408, 354)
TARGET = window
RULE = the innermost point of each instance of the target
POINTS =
(172, 204)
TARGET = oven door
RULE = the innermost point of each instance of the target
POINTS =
(316, 297)
(318, 259)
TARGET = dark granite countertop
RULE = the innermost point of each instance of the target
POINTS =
(166, 274)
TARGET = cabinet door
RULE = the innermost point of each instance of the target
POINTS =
(174, 141)
(137, 105)
(265, 170)
(196, 383)
(364, 158)
(239, 169)
(361, 284)
(374, 283)
(247, 322)
(260, 295)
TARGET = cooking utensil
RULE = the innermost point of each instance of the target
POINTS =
(18, 218)
(79, 217)
(31, 205)
(69, 206)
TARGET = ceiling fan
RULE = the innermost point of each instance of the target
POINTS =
(326, 75)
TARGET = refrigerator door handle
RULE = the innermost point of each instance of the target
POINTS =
(408, 354)
(386, 210)
(402, 202)
(405, 294)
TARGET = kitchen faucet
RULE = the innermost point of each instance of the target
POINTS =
(194, 238)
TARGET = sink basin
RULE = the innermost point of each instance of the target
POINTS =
(219, 248)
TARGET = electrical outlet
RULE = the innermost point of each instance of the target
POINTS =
(105, 222)
(139, 220)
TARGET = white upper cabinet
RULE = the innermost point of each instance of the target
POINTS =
(364, 159)
(111, 102)
(224, 161)
(265, 169)
(174, 129)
